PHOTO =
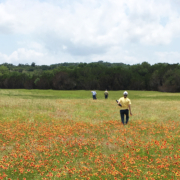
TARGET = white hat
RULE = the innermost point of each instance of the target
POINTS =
(125, 93)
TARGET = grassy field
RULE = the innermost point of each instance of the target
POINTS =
(47, 134)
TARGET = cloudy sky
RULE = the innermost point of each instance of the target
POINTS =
(57, 31)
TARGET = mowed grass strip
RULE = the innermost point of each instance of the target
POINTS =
(48, 138)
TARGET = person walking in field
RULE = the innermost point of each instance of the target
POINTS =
(106, 94)
(94, 94)
(125, 104)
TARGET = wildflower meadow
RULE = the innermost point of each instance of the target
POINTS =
(46, 134)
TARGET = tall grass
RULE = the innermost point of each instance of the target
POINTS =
(48, 134)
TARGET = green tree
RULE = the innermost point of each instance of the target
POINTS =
(36, 81)
(33, 64)
(3, 70)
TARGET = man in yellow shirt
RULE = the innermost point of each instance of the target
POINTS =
(125, 104)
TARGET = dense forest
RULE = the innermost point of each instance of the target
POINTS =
(92, 76)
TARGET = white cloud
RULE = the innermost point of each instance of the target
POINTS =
(170, 57)
(119, 55)
(91, 22)
(64, 47)
(87, 30)
(20, 55)
(6, 20)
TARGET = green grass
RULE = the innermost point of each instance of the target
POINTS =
(79, 106)
(47, 134)
(81, 94)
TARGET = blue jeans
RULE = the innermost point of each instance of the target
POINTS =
(94, 96)
(122, 113)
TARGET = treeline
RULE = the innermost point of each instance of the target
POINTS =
(98, 76)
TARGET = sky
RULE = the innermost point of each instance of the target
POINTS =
(116, 31)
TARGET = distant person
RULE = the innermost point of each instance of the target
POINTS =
(125, 104)
(106, 94)
(94, 94)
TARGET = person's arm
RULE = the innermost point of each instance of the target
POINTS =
(130, 109)
(118, 102)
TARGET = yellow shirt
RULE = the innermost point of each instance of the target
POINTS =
(124, 102)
